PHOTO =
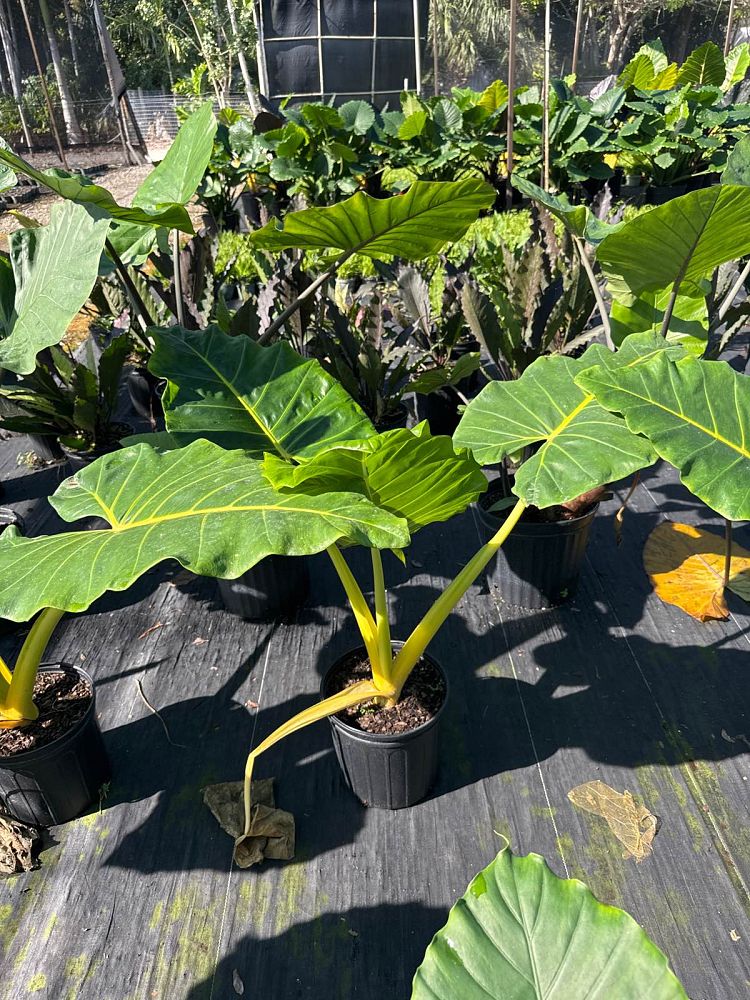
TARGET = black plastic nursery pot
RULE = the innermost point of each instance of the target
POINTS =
(540, 562)
(46, 447)
(387, 771)
(145, 391)
(56, 782)
(78, 459)
(274, 588)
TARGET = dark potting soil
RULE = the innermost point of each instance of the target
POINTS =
(534, 515)
(421, 698)
(62, 697)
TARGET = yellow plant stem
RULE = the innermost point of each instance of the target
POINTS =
(423, 634)
(353, 695)
(5, 674)
(362, 613)
(17, 704)
(381, 671)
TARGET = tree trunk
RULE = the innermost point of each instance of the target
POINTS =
(10, 51)
(66, 100)
(72, 37)
(250, 90)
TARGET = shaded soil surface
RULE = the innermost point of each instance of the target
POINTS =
(421, 698)
(533, 515)
(62, 697)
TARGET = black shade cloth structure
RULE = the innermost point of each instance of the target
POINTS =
(342, 49)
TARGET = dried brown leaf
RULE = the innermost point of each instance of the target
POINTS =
(632, 824)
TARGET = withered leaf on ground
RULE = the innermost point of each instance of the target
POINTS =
(686, 567)
(16, 846)
(632, 824)
(271, 832)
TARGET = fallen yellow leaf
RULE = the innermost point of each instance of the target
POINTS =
(632, 824)
(686, 567)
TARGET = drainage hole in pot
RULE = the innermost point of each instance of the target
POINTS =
(421, 698)
(62, 697)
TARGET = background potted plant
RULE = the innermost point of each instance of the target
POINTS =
(535, 301)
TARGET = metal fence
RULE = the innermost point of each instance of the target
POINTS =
(156, 112)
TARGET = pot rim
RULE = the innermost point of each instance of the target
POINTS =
(365, 737)
(48, 749)
(538, 527)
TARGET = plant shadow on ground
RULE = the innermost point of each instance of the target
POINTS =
(369, 953)
(523, 685)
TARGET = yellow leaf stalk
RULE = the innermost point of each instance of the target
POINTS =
(16, 702)
(388, 674)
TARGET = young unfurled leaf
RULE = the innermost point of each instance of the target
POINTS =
(704, 66)
(686, 566)
(520, 931)
(632, 824)
(420, 478)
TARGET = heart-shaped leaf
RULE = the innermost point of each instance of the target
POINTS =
(520, 931)
(54, 270)
(238, 394)
(684, 241)
(686, 567)
(417, 477)
(412, 225)
(582, 445)
(357, 116)
(695, 413)
(210, 509)
(704, 66)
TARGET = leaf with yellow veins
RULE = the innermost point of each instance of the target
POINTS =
(632, 824)
(686, 567)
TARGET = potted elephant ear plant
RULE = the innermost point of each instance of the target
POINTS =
(205, 503)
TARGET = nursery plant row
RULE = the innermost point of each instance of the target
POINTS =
(546, 365)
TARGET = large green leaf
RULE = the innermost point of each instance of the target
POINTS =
(521, 933)
(688, 326)
(412, 225)
(582, 445)
(684, 240)
(176, 179)
(8, 177)
(577, 219)
(77, 188)
(704, 66)
(208, 508)
(737, 169)
(420, 478)
(737, 64)
(54, 268)
(695, 413)
(238, 394)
